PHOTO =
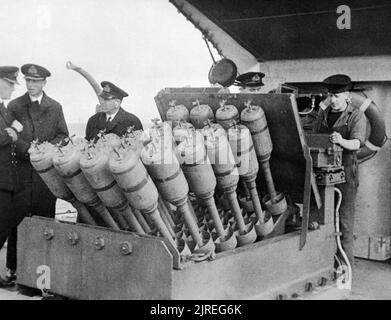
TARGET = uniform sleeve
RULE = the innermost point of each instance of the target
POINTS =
(62, 129)
(21, 145)
(136, 123)
(11, 109)
(5, 139)
(358, 125)
(88, 130)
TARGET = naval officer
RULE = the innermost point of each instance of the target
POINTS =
(10, 200)
(43, 119)
(250, 82)
(112, 118)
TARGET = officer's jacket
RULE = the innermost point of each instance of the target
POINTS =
(119, 125)
(44, 122)
(8, 173)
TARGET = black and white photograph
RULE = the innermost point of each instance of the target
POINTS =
(204, 152)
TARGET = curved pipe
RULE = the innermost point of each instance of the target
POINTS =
(94, 84)
(348, 277)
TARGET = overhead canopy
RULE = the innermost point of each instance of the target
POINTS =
(292, 29)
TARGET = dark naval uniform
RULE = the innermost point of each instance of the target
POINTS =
(43, 121)
(121, 121)
(351, 124)
(11, 199)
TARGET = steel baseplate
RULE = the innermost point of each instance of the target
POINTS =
(84, 262)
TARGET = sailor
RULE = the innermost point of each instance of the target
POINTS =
(43, 119)
(112, 118)
(10, 130)
(250, 82)
(346, 125)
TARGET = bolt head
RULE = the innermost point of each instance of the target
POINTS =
(48, 233)
(309, 286)
(282, 296)
(126, 248)
(99, 243)
(73, 238)
(323, 281)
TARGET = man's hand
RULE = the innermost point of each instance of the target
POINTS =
(336, 137)
(325, 103)
(12, 134)
(17, 125)
(353, 144)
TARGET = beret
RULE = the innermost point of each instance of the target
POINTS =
(338, 83)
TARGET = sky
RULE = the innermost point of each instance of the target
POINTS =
(142, 46)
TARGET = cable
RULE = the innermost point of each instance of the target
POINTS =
(307, 112)
(210, 51)
(338, 260)
(348, 278)
(312, 107)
